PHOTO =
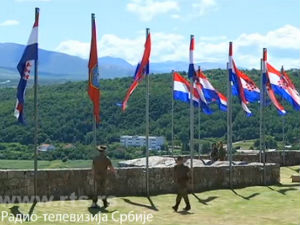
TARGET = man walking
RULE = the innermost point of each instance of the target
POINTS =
(101, 165)
(182, 179)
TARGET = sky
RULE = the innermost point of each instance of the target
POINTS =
(250, 24)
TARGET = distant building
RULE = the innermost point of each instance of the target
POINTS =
(68, 146)
(45, 148)
(155, 143)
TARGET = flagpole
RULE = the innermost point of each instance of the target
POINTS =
(35, 117)
(172, 113)
(94, 132)
(94, 116)
(229, 119)
(147, 127)
(283, 140)
(199, 124)
(192, 126)
(262, 109)
(283, 130)
(261, 112)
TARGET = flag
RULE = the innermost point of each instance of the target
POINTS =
(192, 72)
(291, 89)
(283, 86)
(94, 86)
(210, 93)
(182, 89)
(142, 68)
(270, 79)
(29, 57)
(242, 85)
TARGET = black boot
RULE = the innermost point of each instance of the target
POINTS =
(105, 203)
(95, 200)
(178, 200)
(175, 207)
(187, 203)
(187, 208)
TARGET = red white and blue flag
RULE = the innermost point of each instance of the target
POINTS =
(94, 86)
(192, 72)
(242, 85)
(271, 78)
(182, 93)
(290, 94)
(210, 93)
(24, 67)
(283, 86)
(141, 70)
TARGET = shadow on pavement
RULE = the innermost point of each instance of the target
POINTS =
(183, 212)
(151, 206)
(205, 201)
(17, 213)
(96, 210)
(245, 197)
(284, 190)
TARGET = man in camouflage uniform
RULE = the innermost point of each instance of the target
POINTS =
(214, 153)
(182, 179)
(101, 165)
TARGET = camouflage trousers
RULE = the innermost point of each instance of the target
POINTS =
(99, 190)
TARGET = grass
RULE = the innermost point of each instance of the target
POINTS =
(273, 205)
(28, 164)
(244, 145)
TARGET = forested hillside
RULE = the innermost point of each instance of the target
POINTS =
(65, 113)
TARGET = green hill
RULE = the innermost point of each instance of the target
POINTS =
(65, 114)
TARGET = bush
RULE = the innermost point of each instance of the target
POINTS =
(65, 159)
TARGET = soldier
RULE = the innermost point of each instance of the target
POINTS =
(222, 152)
(182, 179)
(101, 165)
(214, 153)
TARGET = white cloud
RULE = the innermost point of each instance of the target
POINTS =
(9, 23)
(175, 16)
(73, 47)
(202, 7)
(175, 47)
(147, 9)
(286, 39)
(287, 36)
(129, 49)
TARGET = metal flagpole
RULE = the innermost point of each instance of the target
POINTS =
(283, 130)
(94, 132)
(199, 124)
(229, 117)
(262, 89)
(147, 127)
(192, 126)
(35, 117)
(283, 140)
(172, 113)
(94, 117)
(262, 109)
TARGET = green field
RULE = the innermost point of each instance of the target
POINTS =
(28, 164)
(271, 205)
(244, 145)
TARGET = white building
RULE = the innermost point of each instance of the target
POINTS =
(155, 143)
(45, 148)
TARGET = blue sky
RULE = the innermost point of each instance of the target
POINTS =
(250, 24)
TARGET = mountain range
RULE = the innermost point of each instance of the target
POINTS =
(60, 66)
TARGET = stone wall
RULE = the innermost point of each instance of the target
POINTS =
(130, 181)
(287, 158)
